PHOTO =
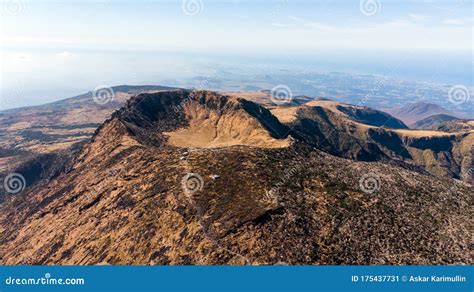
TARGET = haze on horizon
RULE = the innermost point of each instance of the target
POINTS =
(55, 49)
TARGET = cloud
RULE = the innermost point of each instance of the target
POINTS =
(453, 21)
(295, 18)
(277, 24)
(397, 23)
(318, 26)
(310, 24)
(300, 34)
(417, 17)
(65, 54)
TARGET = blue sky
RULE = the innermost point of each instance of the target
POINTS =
(55, 49)
(240, 26)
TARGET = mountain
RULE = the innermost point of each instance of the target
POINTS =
(43, 137)
(370, 116)
(432, 122)
(39, 141)
(414, 112)
(360, 114)
(264, 97)
(196, 177)
(324, 125)
(445, 123)
(362, 133)
(456, 126)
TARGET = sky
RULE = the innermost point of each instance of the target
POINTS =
(241, 26)
(50, 48)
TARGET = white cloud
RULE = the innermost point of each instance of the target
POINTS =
(397, 23)
(277, 24)
(310, 24)
(295, 18)
(453, 21)
(417, 17)
(318, 26)
(300, 35)
(65, 54)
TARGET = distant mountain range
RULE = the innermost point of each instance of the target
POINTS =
(432, 122)
(445, 123)
(173, 176)
(414, 112)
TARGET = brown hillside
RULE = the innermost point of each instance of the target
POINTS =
(131, 197)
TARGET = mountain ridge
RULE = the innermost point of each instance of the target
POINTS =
(126, 199)
(30, 150)
(413, 112)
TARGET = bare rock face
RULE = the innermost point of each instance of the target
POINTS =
(250, 190)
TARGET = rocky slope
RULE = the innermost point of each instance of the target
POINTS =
(132, 195)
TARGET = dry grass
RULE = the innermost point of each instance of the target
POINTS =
(286, 114)
(255, 96)
(327, 104)
(422, 133)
